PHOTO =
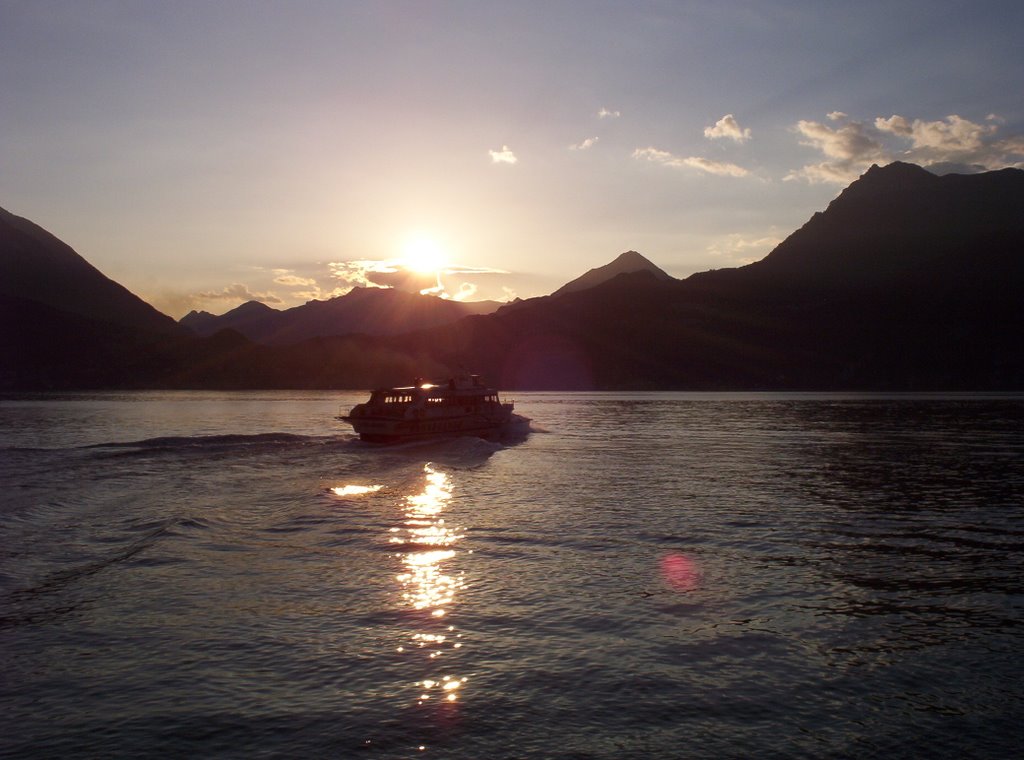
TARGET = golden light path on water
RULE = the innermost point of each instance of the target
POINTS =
(425, 585)
(427, 589)
(355, 490)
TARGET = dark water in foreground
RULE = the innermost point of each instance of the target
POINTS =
(661, 575)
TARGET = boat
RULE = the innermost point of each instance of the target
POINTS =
(462, 406)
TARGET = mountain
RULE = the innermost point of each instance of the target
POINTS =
(36, 266)
(900, 226)
(371, 311)
(250, 314)
(906, 281)
(624, 263)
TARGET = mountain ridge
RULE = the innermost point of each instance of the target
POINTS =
(371, 311)
(906, 281)
(36, 265)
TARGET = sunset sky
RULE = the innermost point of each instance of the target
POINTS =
(208, 153)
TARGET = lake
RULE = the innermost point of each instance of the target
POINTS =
(643, 575)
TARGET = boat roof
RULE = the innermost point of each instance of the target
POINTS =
(464, 383)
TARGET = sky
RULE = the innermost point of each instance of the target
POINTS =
(206, 154)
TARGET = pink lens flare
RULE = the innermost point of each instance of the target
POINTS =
(680, 571)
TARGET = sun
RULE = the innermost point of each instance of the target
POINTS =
(422, 254)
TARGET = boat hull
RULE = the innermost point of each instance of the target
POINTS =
(388, 430)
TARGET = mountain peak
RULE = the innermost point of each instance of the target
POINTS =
(624, 263)
(900, 221)
(897, 177)
(632, 258)
(898, 169)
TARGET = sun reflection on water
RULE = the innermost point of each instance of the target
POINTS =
(427, 585)
(353, 490)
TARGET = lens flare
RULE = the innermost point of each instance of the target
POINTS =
(680, 571)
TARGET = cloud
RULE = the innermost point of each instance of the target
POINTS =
(317, 294)
(953, 136)
(604, 113)
(727, 127)
(585, 145)
(1013, 146)
(238, 292)
(177, 303)
(473, 270)
(852, 142)
(665, 158)
(368, 273)
(503, 156)
(743, 250)
(286, 278)
(391, 273)
(944, 145)
(466, 291)
(850, 150)
(721, 168)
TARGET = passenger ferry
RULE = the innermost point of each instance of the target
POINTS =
(462, 406)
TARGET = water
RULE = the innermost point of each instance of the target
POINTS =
(654, 575)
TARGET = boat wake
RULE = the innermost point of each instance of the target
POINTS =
(220, 442)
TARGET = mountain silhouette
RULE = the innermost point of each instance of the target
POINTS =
(901, 226)
(239, 318)
(906, 281)
(36, 266)
(370, 311)
(624, 263)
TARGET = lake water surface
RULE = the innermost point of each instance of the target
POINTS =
(643, 575)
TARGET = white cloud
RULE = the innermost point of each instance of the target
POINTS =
(316, 294)
(473, 270)
(851, 142)
(585, 145)
(954, 135)
(178, 303)
(851, 149)
(658, 156)
(286, 278)
(740, 249)
(665, 158)
(950, 144)
(238, 292)
(727, 127)
(836, 116)
(367, 273)
(392, 273)
(1013, 146)
(465, 292)
(604, 113)
(503, 156)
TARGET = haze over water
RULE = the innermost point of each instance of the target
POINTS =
(645, 575)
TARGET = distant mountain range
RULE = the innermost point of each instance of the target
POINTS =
(378, 311)
(369, 311)
(907, 281)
